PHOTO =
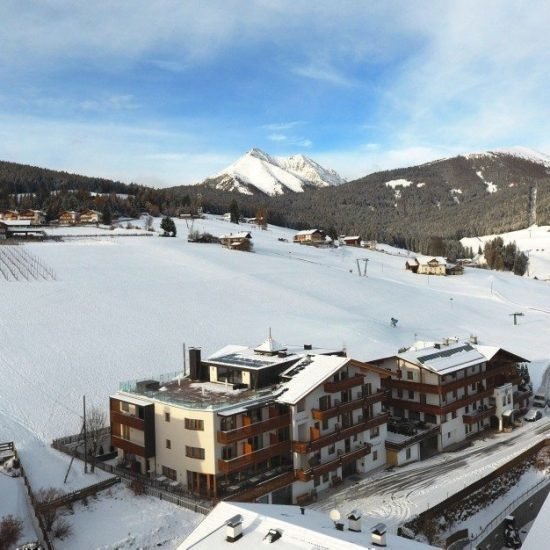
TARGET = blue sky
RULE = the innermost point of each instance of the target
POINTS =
(168, 92)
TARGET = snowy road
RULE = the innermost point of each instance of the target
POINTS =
(398, 495)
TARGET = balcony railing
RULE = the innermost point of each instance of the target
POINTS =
(244, 432)
(247, 460)
(250, 494)
(127, 420)
(473, 417)
(303, 447)
(450, 385)
(347, 406)
(521, 395)
(439, 409)
(345, 384)
(420, 436)
(345, 458)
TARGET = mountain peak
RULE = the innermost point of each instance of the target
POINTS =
(259, 171)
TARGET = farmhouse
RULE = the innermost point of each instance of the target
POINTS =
(272, 422)
(310, 236)
(354, 240)
(427, 265)
(9, 215)
(237, 241)
(90, 216)
(68, 217)
(442, 393)
(35, 217)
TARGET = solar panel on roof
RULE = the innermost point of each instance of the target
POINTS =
(445, 353)
(236, 359)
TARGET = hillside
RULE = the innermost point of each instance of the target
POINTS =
(121, 308)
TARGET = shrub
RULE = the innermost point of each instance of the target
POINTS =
(10, 530)
(61, 529)
(138, 487)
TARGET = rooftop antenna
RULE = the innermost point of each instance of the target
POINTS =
(515, 316)
(184, 362)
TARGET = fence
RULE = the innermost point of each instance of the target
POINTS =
(80, 494)
(37, 520)
(512, 506)
(152, 487)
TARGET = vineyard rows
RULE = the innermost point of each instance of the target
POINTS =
(16, 264)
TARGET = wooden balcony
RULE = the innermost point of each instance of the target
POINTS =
(128, 446)
(315, 471)
(304, 447)
(345, 384)
(252, 493)
(453, 384)
(244, 432)
(473, 417)
(244, 461)
(439, 409)
(119, 417)
(341, 408)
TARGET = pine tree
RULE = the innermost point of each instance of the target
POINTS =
(168, 226)
(234, 211)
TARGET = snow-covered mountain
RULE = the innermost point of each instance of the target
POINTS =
(257, 171)
(521, 152)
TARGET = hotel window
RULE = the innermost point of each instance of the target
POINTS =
(316, 481)
(408, 454)
(374, 456)
(167, 416)
(194, 424)
(331, 449)
(411, 394)
(301, 405)
(170, 473)
(325, 424)
(194, 452)
(125, 406)
(168, 444)
(453, 414)
(324, 402)
(410, 375)
(399, 393)
(374, 432)
(325, 478)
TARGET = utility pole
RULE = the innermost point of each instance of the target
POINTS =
(85, 436)
(365, 260)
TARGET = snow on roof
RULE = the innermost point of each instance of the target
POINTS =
(298, 531)
(307, 231)
(16, 223)
(241, 235)
(270, 346)
(488, 351)
(307, 374)
(445, 358)
(248, 358)
(352, 238)
(131, 399)
(422, 260)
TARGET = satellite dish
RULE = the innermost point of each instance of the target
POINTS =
(335, 515)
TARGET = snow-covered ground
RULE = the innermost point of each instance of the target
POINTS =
(121, 308)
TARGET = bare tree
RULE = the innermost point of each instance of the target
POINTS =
(11, 529)
(96, 420)
(46, 498)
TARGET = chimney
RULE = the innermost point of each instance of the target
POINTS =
(195, 363)
(473, 339)
(308, 346)
(354, 519)
(233, 527)
(378, 534)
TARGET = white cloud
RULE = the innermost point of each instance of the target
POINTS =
(276, 137)
(323, 72)
(278, 126)
(113, 102)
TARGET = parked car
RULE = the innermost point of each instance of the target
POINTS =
(533, 415)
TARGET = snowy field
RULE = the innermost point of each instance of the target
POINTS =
(121, 308)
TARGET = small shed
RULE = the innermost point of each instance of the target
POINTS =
(352, 240)
(310, 236)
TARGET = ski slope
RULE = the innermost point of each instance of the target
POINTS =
(121, 308)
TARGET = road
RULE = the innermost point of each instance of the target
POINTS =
(400, 494)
